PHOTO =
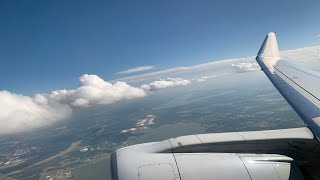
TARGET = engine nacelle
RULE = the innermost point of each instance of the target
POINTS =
(242, 155)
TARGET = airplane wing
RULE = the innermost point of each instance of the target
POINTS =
(299, 86)
(256, 155)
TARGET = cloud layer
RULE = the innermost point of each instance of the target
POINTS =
(21, 113)
(206, 69)
(245, 67)
(306, 56)
(137, 69)
(165, 83)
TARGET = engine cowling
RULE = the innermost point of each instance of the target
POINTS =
(213, 156)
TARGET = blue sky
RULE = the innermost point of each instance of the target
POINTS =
(46, 45)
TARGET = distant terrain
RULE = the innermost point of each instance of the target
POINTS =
(83, 144)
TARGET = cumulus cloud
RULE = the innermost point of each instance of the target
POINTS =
(94, 90)
(245, 66)
(137, 69)
(21, 113)
(165, 83)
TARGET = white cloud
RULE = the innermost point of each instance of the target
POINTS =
(204, 78)
(308, 57)
(94, 90)
(165, 83)
(137, 69)
(80, 102)
(216, 67)
(21, 113)
(304, 55)
(245, 66)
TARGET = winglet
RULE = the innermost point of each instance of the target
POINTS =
(269, 52)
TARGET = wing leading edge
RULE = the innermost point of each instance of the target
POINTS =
(299, 86)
